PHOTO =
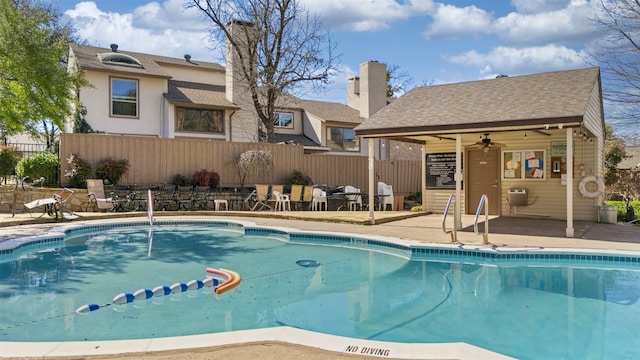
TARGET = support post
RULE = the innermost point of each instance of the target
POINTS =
(569, 152)
(372, 186)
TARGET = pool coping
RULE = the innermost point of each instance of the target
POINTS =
(289, 335)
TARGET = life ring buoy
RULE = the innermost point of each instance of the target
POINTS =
(591, 194)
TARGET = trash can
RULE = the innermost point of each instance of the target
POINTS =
(609, 214)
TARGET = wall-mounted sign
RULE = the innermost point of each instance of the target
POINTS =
(558, 148)
(441, 170)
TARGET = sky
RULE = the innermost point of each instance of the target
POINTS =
(433, 42)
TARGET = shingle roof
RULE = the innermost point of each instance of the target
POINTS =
(330, 111)
(633, 159)
(184, 92)
(88, 59)
(496, 102)
(295, 139)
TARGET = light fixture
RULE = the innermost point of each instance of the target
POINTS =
(560, 126)
(546, 126)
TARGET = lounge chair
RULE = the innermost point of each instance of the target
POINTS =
(296, 195)
(261, 197)
(307, 195)
(97, 197)
(53, 205)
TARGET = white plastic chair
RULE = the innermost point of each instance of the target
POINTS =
(354, 201)
(283, 202)
(319, 198)
(386, 196)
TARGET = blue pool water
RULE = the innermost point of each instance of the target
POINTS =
(528, 306)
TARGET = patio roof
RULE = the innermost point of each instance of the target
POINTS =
(502, 103)
(188, 93)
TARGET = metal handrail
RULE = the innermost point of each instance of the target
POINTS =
(484, 201)
(454, 234)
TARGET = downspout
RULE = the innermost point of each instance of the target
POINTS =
(231, 127)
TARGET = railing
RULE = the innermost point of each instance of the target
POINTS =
(454, 233)
(483, 202)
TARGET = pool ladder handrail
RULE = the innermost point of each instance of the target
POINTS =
(484, 201)
(453, 232)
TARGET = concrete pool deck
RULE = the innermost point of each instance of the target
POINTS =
(512, 232)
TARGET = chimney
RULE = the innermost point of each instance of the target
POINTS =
(187, 57)
(373, 88)
(114, 47)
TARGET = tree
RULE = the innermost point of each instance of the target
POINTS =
(618, 57)
(282, 48)
(35, 87)
(398, 81)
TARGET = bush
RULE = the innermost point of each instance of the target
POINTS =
(181, 180)
(206, 178)
(79, 173)
(112, 170)
(299, 178)
(41, 165)
(9, 158)
(622, 208)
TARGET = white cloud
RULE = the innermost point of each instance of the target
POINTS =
(513, 61)
(366, 15)
(539, 6)
(452, 22)
(151, 28)
(570, 24)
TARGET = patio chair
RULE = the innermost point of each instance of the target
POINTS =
(96, 196)
(261, 198)
(283, 202)
(385, 195)
(307, 195)
(319, 198)
(53, 205)
(353, 197)
(296, 195)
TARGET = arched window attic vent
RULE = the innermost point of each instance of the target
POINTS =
(114, 58)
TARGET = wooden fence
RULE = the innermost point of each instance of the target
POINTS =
(158, 160)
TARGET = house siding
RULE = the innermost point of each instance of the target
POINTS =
(96, 99)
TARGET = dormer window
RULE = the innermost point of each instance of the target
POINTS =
(114, 58)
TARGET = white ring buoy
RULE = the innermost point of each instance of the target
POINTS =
(591, 179)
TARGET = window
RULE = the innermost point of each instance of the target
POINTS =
(119, 59)
(283, 119)
(200, 120)
(124, 97)
(341, 139)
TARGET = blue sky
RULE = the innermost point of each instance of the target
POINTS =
(433, 41)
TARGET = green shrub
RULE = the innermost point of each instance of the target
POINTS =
(41, 165)
(299, 178)
(112, 170)
(622, 207)
(9, 158)
(79, 173)
(206, 178)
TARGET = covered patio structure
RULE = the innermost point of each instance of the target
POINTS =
(529, 145)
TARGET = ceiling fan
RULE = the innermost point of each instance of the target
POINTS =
(486, 143)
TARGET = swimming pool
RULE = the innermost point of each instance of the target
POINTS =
(558, 306)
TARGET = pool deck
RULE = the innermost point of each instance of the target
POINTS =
(287, 343)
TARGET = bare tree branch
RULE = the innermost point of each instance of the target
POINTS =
(282, 47)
